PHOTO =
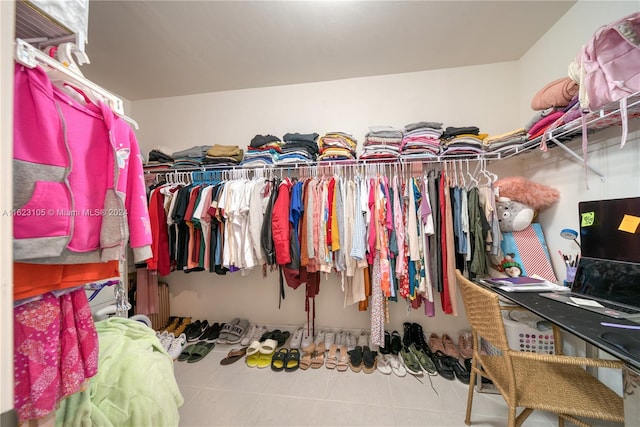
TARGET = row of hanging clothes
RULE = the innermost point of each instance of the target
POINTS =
(389, 231)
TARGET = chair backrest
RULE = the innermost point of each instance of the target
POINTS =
(483, 312)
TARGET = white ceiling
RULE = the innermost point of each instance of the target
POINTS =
(152, 49)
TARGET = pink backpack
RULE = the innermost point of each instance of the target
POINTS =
(610, 63)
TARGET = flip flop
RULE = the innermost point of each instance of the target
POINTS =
(292, 362)
(384, 365)
(278, 360)
(234, 355)
(396, 366)
(200, 352)
(264, 360)
(186, 353)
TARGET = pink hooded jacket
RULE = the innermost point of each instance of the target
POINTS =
(79, 193)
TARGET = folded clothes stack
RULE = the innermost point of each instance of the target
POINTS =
(462, 140)
(505, 141)
(337, 146)
(223, 155)
(263, 151)
(191, 157)
(421, 139)
(299, 148)
(382, 143)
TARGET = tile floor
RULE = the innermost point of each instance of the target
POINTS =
(236, 395)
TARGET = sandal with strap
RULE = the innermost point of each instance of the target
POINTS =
(292, 362)
(305, 361)
(343, 359)
(355, 359)
(369, 359)
(332, 357)
(317, 360)
(234, 336)
(279, 359)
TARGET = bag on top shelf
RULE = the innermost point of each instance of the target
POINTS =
(607, 68)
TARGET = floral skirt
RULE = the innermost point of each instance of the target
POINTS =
(55, 352)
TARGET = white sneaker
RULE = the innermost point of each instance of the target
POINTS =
(247, 338)
(341, 338)
(329, 339)
(363, 339)
(177, 346)
(307, 338)
(350, 341)
(296, 338)
(166, 339)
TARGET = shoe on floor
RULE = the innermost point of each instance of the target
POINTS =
(248, 335)
(197, 330)
(384, 364)
(396, 343)
(296, 338)
(465, 344)
(182, 326)
(462, 373)
(450, 347)
(444, 365)
(435, 343)
(177, 345)
(425, 361)
(397, 367)
(410, 362)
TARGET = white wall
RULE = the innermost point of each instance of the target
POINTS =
(480, 95)
(494, 97)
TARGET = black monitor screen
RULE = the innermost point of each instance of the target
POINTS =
(610, 229)
(611, 280)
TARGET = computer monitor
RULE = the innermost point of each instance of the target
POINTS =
(610, 229)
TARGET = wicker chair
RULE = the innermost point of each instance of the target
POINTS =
(554, 383)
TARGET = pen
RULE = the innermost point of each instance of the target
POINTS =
(618, 325)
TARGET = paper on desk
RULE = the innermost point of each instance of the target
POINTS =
(586, 302)
(546, 286)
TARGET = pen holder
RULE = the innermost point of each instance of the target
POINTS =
(571, 275)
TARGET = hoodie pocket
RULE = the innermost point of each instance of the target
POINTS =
(48, 212)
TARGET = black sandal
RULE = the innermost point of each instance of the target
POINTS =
(278, 361)
(355, 359)
(396, 343)
(292, 361)
(369, 359)
(387, 343)
(282, 337)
